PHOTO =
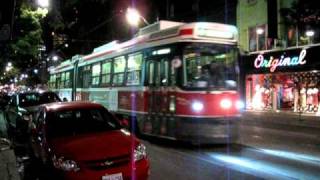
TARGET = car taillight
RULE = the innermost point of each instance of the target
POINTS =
(65, 164)
(225, 103)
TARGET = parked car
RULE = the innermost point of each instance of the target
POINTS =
(4, 100)
(21, 108)
(82, 140)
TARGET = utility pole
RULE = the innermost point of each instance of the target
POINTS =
(12, 18)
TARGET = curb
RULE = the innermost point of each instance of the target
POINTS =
(283, 118)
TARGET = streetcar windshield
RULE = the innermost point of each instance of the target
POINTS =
(210, 66)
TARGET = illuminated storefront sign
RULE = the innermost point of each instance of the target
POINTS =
(273, 63)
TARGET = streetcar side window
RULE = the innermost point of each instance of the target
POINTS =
(150, 72)
(52, 81)
(95, 74)
(157, 74)
(134, 69)
(58, 80)
(119, 69)
(86, 74)
(106, 73)
(67, 82)
(164, 72)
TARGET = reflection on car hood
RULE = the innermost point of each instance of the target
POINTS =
(93, 146)
(31, 109)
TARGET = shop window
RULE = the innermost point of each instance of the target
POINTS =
(95, 76)
(296, 92)
(258, 38)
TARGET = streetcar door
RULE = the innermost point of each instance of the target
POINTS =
(158, 82)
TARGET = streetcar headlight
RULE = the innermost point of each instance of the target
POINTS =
(239, 104)
(197, 106)
(225, 103)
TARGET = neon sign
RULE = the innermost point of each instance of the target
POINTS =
(273, 63)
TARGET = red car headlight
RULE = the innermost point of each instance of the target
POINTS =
(140, 152)
(65, 164)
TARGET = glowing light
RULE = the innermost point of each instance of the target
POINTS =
(269, 170)
(161, 51)
(260, 31)
(239, 104)
(310, 33)
(225, 103)
(273, 63)
(214, 33)
(125, 132)
(43, 3)
(55, 58)
(133, 16)
(294, 156)
(197, 106)
(257, 98)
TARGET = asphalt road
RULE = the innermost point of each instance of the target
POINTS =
(264, 151)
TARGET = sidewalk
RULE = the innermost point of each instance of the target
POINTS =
(283, 118)
(8, 166)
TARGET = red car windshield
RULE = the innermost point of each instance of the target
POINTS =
(79, 121)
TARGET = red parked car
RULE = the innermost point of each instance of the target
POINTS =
(82, 140)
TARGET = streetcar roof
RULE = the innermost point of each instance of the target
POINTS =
(160, 33)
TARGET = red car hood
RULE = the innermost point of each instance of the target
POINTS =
(94, 146)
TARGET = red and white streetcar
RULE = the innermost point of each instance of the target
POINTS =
(174, 80)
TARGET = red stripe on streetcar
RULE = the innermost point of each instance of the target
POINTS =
(184, 32)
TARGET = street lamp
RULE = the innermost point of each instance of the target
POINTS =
(43, 3)
(133, 17)
(260, 31)
(309, 34)
(9, 66)
(55, 58)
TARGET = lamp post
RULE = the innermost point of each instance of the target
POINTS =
(43, 3)
(133, 17)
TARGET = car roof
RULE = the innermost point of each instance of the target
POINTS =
(34, 92)
(58, 106)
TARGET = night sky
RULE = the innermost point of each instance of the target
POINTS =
(91, 23)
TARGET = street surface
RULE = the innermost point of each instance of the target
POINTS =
(264, 151)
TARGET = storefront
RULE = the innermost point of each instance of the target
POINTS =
(287, 80)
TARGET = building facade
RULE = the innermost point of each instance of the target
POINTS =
(280, 64)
